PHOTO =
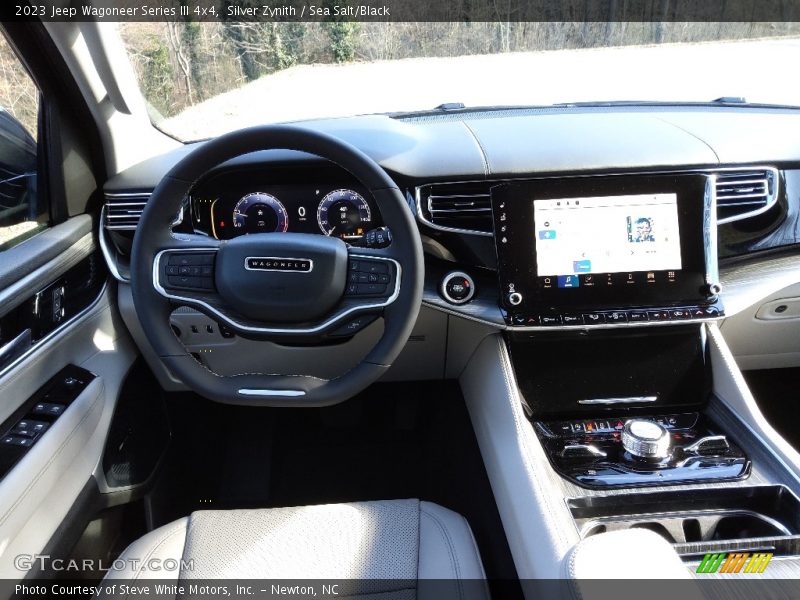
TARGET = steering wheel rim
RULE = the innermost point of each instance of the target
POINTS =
(154, 237)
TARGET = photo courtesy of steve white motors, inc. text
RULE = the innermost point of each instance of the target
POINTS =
(172, 590)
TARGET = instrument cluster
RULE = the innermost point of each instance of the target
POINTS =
(228, 207)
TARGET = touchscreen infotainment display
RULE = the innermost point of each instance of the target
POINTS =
(604, 242)
(607, 234)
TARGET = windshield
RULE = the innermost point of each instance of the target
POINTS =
(203, 79)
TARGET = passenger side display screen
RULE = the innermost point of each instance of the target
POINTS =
(607, 234)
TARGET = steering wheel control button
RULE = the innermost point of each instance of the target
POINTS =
(190, 270)
(185, 259)
(368, 277)
(645, 439)
(457, 287)
(353, 326)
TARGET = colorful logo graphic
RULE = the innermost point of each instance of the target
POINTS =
(735, 562)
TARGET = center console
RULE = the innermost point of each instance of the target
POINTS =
(608, 286)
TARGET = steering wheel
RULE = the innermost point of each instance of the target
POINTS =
(289, 287)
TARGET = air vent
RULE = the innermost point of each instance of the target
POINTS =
(746, 193)
(459, 207)
(124, 210)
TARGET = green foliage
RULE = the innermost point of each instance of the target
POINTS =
(158, 78)
(343, 37)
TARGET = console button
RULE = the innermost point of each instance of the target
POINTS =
(549, 320)
(594, 318)
(572, 319)
(658, 315)
(617, 317)
(519, 319)
(637, 316)
(679, 313)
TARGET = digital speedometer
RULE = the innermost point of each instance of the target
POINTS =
(259, 213)
(344, 214)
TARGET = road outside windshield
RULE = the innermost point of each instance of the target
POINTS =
(202, 79)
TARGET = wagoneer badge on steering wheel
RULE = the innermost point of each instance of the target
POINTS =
(273, 263)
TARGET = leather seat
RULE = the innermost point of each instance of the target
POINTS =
(386, 547)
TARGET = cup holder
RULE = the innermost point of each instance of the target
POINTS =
(696, 521)
(692, 527)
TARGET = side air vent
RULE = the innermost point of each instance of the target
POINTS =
(458, 207)
(124, 210)
(746, 193)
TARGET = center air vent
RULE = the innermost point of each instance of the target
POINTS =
(745, 193)
(124, 210)
(461, 207)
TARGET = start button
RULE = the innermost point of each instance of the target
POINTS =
(457, 287)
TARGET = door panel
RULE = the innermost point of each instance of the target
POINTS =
(81, 327)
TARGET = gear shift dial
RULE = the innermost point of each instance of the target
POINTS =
(645, 439)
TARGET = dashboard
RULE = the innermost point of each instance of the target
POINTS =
(456, 167)
(244, 201)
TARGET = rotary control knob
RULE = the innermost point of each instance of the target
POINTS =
(645, 439)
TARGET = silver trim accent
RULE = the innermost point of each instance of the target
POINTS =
(493, 182)
(710, 232)
(316, 329)
(575, 448)
(132, 213)
(611, 401)
(249, 268)
(450, 299)
(773, 176)
(702, 441)
(272, 393)
(421, 215)
(111, 261)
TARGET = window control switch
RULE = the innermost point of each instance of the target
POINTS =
(49, 409)
(15, 440)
